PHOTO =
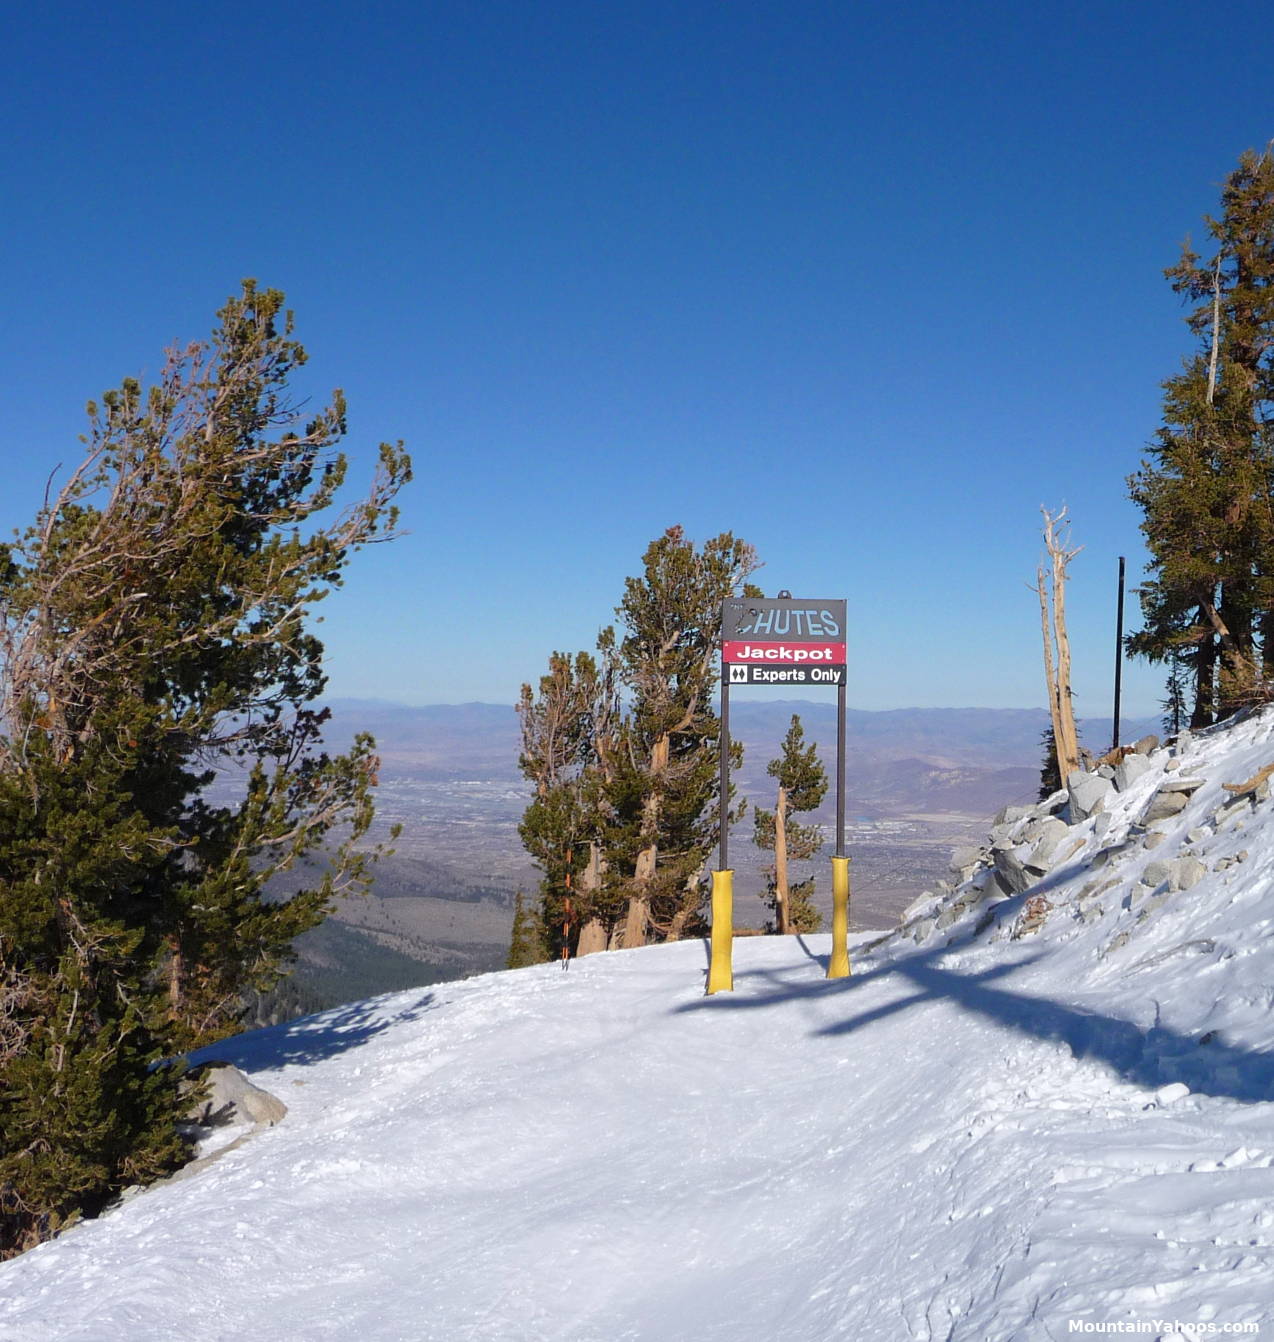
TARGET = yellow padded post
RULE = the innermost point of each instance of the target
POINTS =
(720, 968)
(838, 965)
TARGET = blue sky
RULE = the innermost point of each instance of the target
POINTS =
(864, 283)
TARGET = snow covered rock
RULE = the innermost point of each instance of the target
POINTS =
(1012, 870)
(1088, 793)
(231, 1098)
(1156, 873)
(925, 902)
(1186, 872)
(1163, 806)
(1129, 769)
(965, 861)
(1048, 835)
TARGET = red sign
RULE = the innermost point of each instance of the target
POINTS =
(783, 654)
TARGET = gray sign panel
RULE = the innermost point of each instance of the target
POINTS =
(783, 618)
(742, 673)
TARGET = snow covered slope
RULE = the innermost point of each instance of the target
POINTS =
(981, 1135)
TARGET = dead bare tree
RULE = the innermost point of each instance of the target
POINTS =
(1050, 587)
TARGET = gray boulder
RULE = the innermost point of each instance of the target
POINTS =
(1105, 856)
(1146, 745)
(1156, 873)
(1164, 805)
(1048, 835)
(964, 858)
(989, 884)
(1088, 793)
(922, 904)
(1010, 815)
(1231, 808)
(920, 930)
(231, 1098)
(1181, 784)
(1186, 871)
(951, 914)
(1011, 869)
(1129, 769)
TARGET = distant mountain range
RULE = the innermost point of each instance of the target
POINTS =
(439, 741)
(967, 760)
(480, 741)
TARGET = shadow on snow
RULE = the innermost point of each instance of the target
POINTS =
(1149, 1057)
(312, 1038)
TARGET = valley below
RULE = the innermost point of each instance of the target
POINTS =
(919, 783)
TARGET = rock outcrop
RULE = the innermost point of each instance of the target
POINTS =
(1107, 816)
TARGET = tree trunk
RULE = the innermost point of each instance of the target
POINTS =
(592, 938)
(176, 976)
(1265, 629)
(690, 897)
(592, 935)
(1068, 743)
(1240, 674)
(1050, 675)
(637, 920)
(782, 917)
(1053, 627)
(1205, 675)
(679, 920)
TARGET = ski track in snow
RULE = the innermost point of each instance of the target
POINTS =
(972, 1138)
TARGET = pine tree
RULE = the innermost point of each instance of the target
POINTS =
(1050, 773)
(802, 785)
(567, 728)
(624, 813)
(526, 945)
(1205, 493)
(662, 795)
(803, 913)
(1174, 703)
(153, 632)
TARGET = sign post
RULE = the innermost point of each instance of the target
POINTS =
(838, 964)
(720, 962)
(1119, 654)
(779, 641)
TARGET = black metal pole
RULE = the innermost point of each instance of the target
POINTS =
(723, 855)
(1119, 651)
(840, 770)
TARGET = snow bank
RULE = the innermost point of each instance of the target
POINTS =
(1045, 1117)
